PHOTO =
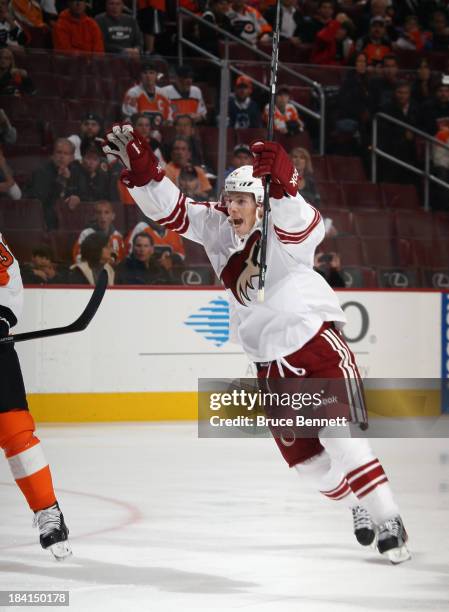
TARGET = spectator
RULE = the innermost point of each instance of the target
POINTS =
(163, 240)
(8, 185)
(290, 20)
(241, 156)
(424, 83)
(411, 36)
(94, 182)
(382, 87)
(151, 20)
(11, 34)
(75, 31)
(216, 15)
(144, 266)
(354, 101)
(310, 26)
(383, 9)
(439, 31)
(95, 255)
(377, 44)
(142, 124)
(286, 118)
(436, 110)
(121, 33)
(146, 97)
(303, 163)
(8, 133)
(185, 128)
(91, 128)
(243, 112)
(42, 269)
(186, 98)
(396, 140)
(57, 179)
(13, 81)
(333, 43)
(248, 23)
(181, 156)
(103, 224)
(189, 183)
(329, 266)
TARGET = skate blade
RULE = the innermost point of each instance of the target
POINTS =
(398, 555)
(60, 550)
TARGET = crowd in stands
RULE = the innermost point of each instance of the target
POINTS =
(371, 56)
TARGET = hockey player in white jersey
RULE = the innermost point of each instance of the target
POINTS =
(22, 448)
(295, 332)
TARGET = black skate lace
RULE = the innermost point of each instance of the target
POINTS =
(48, 520)
(362, 519)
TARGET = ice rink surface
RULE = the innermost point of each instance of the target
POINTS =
(162, 521)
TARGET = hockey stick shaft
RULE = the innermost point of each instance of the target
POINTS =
(79, 325)
(270, 131)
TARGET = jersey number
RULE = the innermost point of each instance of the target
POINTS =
(6, 258)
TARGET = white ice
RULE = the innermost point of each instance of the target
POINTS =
(162, 521)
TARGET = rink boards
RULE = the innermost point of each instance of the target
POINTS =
(142, 355)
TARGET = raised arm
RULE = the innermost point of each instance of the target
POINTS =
(155, 194)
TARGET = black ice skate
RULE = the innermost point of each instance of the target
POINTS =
(364, 528)
(53, 531)
(391, 541)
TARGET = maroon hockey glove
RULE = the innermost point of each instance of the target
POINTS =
(271, 158)
(142, 165)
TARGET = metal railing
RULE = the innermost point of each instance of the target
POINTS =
(426, 173)
(226, 66)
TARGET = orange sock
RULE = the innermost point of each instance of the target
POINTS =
(26, 458)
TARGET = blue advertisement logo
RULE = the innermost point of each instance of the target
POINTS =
(212, 321)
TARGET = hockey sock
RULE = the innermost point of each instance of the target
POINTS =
(327, 478)
(26, 458)
(364, 475)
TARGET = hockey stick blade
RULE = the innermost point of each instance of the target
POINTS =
(79, 325)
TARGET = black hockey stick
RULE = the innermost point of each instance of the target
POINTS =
(266, 194)
(79, 325)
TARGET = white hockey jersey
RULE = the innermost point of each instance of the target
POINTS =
(297, 299)
(11, 288)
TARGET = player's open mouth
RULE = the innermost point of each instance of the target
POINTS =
(237, 222)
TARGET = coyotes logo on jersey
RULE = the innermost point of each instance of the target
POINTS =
(242, 267)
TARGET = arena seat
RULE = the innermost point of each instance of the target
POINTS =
(74, 220)
(441, 224)
(373, 223)
(36, 61)
(414, 224)
(400, 196)
(356, 277)
(350, 250)
(342, 219)
(331, 194)
(345, 168)
(23, 242)
(436, 278)
(29, 132)
(24, 166)
(320, 171)
(361, 195)
(61, 242)
(398, 278)
(379, 251)
(429, 253)
(22, 214)
(289, 142)
(47, 85)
